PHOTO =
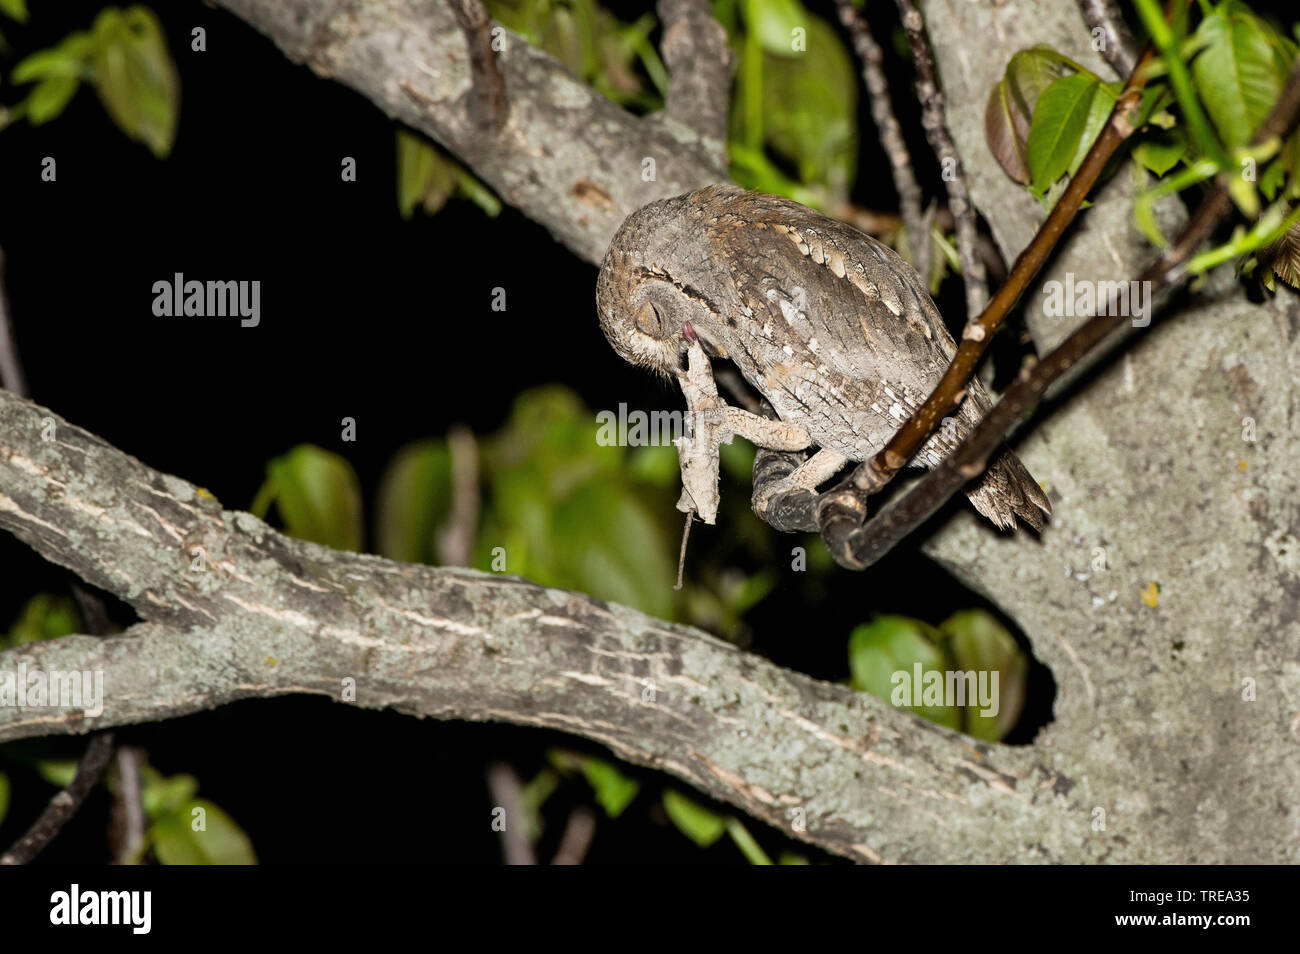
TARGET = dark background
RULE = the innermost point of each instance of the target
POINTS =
(363, 315)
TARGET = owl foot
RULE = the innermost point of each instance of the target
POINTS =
(795, 495)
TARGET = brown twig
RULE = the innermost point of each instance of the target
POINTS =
(507, 794)
(857, 547)
(128, 826)
(891, 135)
(1118, 47)
(11, 368)
(873, 474)
(954, 177)
(63, 805)
(488, 105)
(578, 833)
(455, 543)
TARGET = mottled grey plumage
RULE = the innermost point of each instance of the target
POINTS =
(832, 327)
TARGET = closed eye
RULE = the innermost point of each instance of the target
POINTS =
(650, 321)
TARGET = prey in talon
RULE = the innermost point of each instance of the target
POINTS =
(831, 326)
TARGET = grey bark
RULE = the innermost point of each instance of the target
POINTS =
(267, 615)
(1154, 736)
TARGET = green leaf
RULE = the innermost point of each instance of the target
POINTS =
(565, 511)
(413, 502)
(1058, 126)
(746, 842)
(809, 105)
(1160, 152)
(68, 59)
(979, 643)
(164, 795)
(883, 655)
(4, 796)
(774, 21)
(1099, 110)
(58, 772)
(48, 98)
(318, 496)
(614, 790)
(1010, 109)
(221, 841)
(1271, 179)
(692, 819)
(1239, 73)
(43, 616)
(135, 76)
(424, 176)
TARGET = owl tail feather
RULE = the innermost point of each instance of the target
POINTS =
(1007, 490)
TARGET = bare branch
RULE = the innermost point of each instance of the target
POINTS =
(488, 104)
(698, 58)
(578, 833)
(456, 541)
(268, 616)
(1107, 24)
(954, 177)
(63, 805)
(508, 798)
(11, 367)
(891, 136)
(839, 510)
(128, 825)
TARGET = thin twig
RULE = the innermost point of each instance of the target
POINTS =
(507, 794)
(488, 105)
(954, 177)
(127, 826)
(11, 368)
(857, 547)
(455, 543)
(63, 805)
(578, 833)
(891, 135)
(1117, 45)
(873, 474)
(681, 557)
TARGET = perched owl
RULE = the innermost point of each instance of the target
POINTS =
(832, 327)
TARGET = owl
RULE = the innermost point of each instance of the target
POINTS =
(831, 326)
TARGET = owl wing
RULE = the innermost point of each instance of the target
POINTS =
(842, 312)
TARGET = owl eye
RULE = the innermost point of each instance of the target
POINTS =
(650, 321)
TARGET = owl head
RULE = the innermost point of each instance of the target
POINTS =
(648, 313)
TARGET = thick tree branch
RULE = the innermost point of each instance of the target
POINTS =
(266, 616)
